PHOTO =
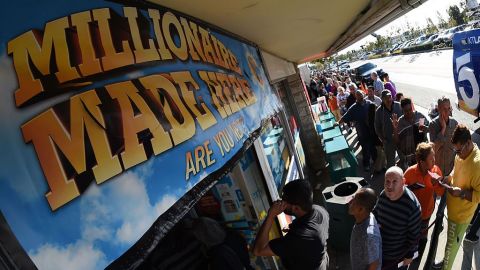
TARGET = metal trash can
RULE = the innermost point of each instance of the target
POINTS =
(336, 202)
(342, 160)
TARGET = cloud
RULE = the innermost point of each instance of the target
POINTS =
(120, 210)
(165, 203)
(81, 255)
(116, 214)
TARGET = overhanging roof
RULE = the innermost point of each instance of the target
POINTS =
(300, 30)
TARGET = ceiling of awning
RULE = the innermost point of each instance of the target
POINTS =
(300, 30)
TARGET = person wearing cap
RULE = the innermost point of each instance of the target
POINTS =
(409, 130)
(305, 244)
(358, 113)
(383, 125)
(377, 84)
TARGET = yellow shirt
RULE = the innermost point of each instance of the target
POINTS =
(466, 175)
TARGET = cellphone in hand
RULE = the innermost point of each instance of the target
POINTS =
(416, 186)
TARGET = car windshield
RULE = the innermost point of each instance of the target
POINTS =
(365, 67)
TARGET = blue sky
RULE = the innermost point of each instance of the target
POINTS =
(97, 227)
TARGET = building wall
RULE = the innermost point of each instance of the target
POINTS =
(300, 106)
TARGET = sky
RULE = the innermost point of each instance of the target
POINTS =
(418, 16)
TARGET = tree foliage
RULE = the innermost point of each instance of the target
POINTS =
(456, 16)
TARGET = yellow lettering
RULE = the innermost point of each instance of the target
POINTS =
(141, 54)
(47, 133)
(162, 48)
(202, 113)
(170, 20)
(207, 46)
(199, 156)
(217, 140)
(209, 153)
(227, 91)
(125, 93)
(251, 98)
(191, 33)
(183, 125)
(90, 64)
(26, 48)
(190, 166)
(112, 59)
(219, 92)
(240, 97)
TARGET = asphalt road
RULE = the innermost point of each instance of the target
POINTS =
(425, 77)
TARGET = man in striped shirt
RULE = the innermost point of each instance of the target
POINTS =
(398, 214)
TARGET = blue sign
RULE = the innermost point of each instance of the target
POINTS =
(466, 69)
(109, 115)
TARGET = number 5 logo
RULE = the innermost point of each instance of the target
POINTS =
(467, 74)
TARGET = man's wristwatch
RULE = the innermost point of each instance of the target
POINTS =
(462, 195)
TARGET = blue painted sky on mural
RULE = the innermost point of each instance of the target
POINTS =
(100, 225)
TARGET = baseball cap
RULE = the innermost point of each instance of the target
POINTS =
(386, 93)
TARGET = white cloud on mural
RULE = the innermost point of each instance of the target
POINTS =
(117, 213)
(79, 256)
(120, 210)
(165, 203)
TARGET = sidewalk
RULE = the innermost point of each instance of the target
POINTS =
(341, 259)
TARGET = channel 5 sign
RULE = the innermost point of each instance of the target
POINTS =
(466, 70)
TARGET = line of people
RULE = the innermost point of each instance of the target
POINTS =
(390, 230)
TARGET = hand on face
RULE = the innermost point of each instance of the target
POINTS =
(277, 208)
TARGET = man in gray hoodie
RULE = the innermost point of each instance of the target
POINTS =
(383, 125)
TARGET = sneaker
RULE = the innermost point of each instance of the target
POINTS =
(437, 265)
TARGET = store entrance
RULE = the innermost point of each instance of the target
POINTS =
(222, 226)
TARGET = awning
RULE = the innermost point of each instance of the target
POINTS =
(298, 31)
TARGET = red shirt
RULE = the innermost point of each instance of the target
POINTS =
(424, 195)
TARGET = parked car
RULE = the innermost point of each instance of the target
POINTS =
(362, 72)
(396, 47)
(447, 35)
(454, 30)
(420, 39)
(408, 44)
(430, 39)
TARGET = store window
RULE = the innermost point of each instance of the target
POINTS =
(276, 150)
(238, 203)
